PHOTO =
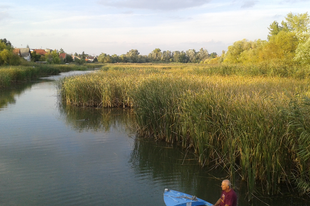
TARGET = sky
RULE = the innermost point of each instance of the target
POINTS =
(117, 26)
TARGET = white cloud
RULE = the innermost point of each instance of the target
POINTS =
(248, 4)
(154, 4)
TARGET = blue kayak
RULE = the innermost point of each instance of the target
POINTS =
(175, 198)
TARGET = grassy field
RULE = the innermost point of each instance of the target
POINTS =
(252, 121)
(15, 74)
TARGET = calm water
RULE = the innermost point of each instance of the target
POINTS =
(54, 155)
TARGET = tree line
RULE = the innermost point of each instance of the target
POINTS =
(287, 42)
(157, 55)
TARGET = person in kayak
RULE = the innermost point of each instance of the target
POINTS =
(228, 196)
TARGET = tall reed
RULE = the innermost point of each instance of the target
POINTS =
(254, 126)
(16, 74)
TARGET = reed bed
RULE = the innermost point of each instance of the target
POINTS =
(256, 127)
(16, 74)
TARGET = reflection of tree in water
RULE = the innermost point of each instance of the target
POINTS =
(174, 166)
(8, 95)
(98, 119)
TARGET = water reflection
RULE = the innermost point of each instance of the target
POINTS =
(53, 154)
(8, 95)
(175, 168)
(97, 119)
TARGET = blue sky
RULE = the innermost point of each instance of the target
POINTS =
(116, 26)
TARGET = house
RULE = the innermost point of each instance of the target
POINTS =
(62, 55)
(23, 52)
(40, 51)
(90, 59)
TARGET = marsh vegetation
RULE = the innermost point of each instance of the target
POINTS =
(252, 121)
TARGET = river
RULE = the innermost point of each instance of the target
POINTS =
(56, 155)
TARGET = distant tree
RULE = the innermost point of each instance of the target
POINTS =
(115, 58)
(35, 57)
(166, 56)
(123, 58)
(53, 57)
(156, 55)
(61, 51)
(213, 55)
(182, 57)
(203, 54)
(7, 57)
(104, 58)
(192, 55)
(132, 55)
(6, 42)
(68, 58)
(83, 56)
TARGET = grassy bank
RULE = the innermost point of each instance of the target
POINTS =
(16, 74)
(254, 124)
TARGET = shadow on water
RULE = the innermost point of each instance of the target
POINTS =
(166, 164)
(139, 165)
(97, 119)
(8, 96)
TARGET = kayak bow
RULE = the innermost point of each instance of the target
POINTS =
(175, 198)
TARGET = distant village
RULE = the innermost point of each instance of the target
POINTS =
(47, 55)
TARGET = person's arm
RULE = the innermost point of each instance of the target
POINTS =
(217, 203)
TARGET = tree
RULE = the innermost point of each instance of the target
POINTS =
(213, 55)
(83, 55)
(68, 58)
(191, 55)
(53, 57)
(6, 54)
(35, 57)
(303, 53)
(234, 51)
(166, 56)
(156, 54)
(274, 29)
(281, 46)
(203, 54)
(104, 58)
(182, 57)
(6, 42)
(115, 58)
(133, 55)
(298, 23)
(61, 51)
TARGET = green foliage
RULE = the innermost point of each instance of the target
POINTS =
(53, 57)
(7, 57)
(303, 53)
(68, 59)
(234, 51)
(133, 56)
(104, 58)
(281, 46)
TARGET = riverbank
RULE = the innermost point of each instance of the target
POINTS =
(253, 124)
(16, 74)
